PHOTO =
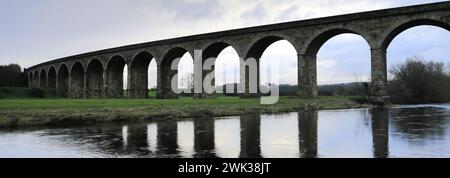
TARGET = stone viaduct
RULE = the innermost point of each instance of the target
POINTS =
(99, 74)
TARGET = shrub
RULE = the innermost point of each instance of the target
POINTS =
(36, 93)
(416, 81)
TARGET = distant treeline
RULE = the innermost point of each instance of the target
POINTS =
(12, 76)
(417, 81)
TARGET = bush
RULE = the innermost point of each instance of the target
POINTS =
(36, 93)
(416, 81)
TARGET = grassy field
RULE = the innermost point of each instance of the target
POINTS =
(22, 112)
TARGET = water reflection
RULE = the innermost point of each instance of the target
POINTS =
(421, 123)
(379, 133)
(167, 143)
(204, 144)
(250, 136)
(307, 126)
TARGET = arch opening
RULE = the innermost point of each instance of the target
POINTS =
(331, 69)
(43, 79)
(276, 59)
(94, 79)
(77, 81)
(425, 58)
(152, 79)
(218, 68)
(115, 77)
(408, 25)
(63, 81)
(138, 79)
(51, 83)
(168, 83)
(347, 70)
(278, 66)
(36, 80)
(186, 75)
(227, 71)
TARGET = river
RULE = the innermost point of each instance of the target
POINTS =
(403, 131)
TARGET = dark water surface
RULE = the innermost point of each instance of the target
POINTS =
(406, 131)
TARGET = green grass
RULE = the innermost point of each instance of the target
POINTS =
(123, 103)
(22, 112)
(113, 103)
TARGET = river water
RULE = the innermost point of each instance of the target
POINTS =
(404, 131)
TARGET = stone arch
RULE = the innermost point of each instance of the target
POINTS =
(94, 79)
(138, 75)
(43, 79)
(256, 51)
(210, 53)
(307, 65)
(36, 79)
(379, 53)
(214, 49)
(63, 80)
(314, 44)
(51, 81)
(114, 77)
(166, 72)
(393, 32)
(261, 44)
(77, 80)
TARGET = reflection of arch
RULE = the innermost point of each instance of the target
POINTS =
(137, 139)
(167, 73)
(63, 80)
(77, 80)
(94, 79)
(43, 79)
(114, 77)
(51, 83)
(392, 33)
(167, 132)
(138, 83)
(36, 80)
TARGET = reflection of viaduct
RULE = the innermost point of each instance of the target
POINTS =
(99, 74)
(250, 136)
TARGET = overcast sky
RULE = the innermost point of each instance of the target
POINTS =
(35, 31)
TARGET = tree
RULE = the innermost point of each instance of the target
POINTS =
(417, 81)
(12, 76)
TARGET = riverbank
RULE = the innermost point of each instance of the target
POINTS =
(65, 112)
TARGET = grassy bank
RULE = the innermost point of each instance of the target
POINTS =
(63, 112)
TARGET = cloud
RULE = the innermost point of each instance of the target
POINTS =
(254, 14)
(289, 13)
